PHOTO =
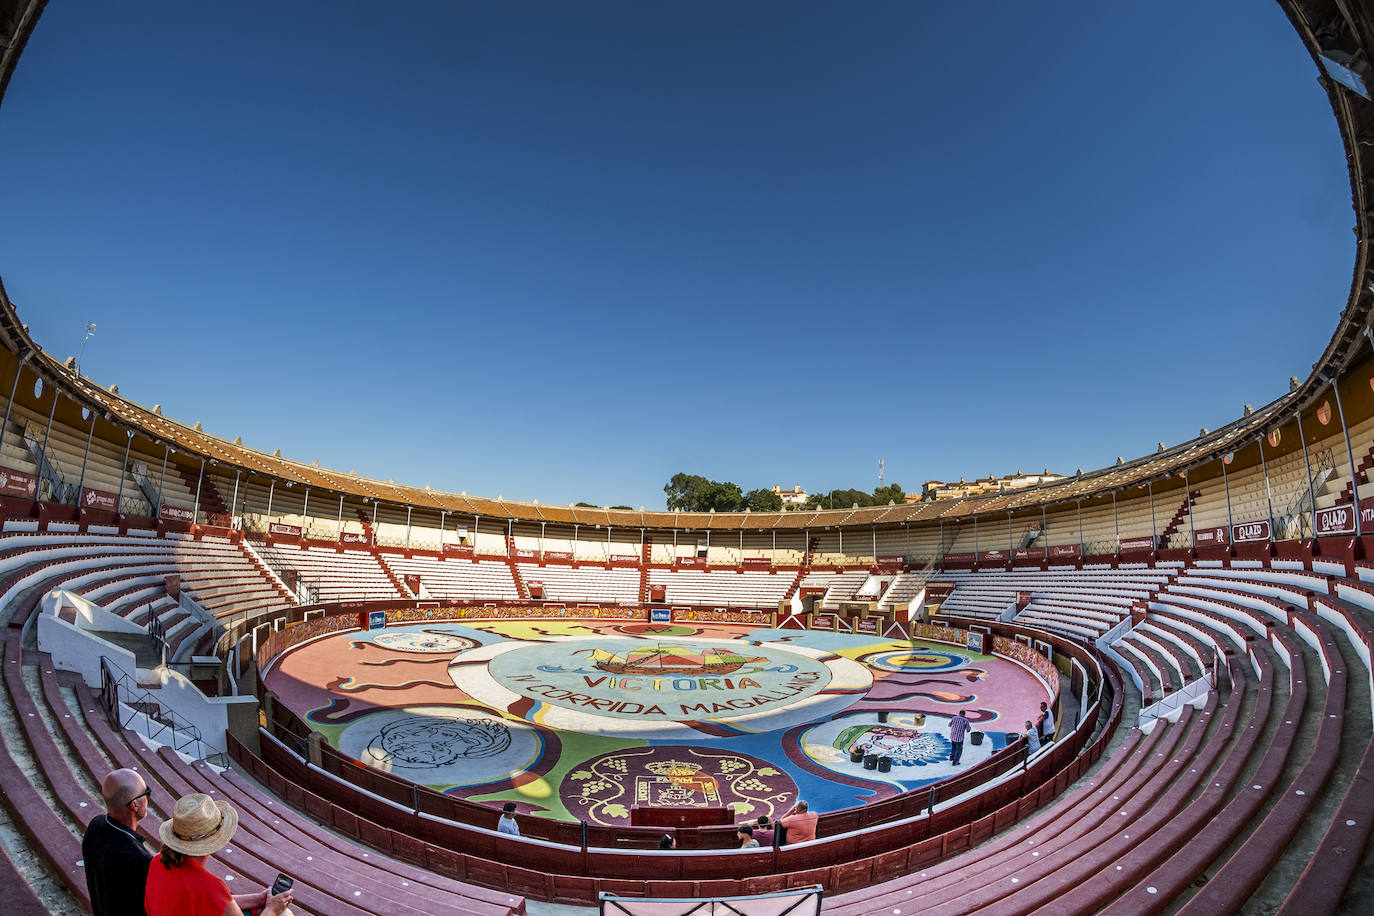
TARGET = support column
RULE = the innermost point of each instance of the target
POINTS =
(1307, 467)
(123, 472)
(5, 424)
(1154, 526)
(233, 503)
(1350, 454)
(271, 492)
(85, 457)
(195, 505)
(409, 510)
(1225, 460)
(162, 479)
(1188, 502)
(1268, 494)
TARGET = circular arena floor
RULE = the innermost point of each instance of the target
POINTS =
(584, 720)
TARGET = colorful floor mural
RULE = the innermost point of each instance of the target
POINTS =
(585, 720)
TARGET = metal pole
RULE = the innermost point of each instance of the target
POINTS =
(305, 514)
(975, 539)
(541, 539)
(1045, 530)
(128, 444)
(1226, 483)
(1307, 466)
(1154, 528)
(195, 506)
(1268, 496)
(409, 509)
(1350, 454)
(1188, 501)
(374, 524)
(162, 478)
(271, 492)
(1011, 549)
(575, 526)
(340, 516)
(1116, 521)
(43, 454)
(233, 503)
(85, 456)
(1080, 524)
(5, 425)
(774, 554)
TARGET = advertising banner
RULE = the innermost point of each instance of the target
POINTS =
(376, 620)
(99, 499)
(1064, 550)
(660, 615)
(1250, 531)
(1335, 520)
(17, 483)
(286, 531)
(867, 625)
(457, 550)
(756, 563)
(1137, 545)
(1209, 537)
(352, 537)
(175, 514)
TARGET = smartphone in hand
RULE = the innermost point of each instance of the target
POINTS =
(283, 883)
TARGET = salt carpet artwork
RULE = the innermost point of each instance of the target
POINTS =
(585, 720)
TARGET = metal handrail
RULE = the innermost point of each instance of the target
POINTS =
(114, 680)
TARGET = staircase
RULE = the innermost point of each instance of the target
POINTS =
(811, 546)
(1177, 520)
(396, 581)
(367, 527)
(645, 551)
(48, 471)
(211, 502)
(1032, 533)
(267, 571)
(520, 586)
(1361, 477)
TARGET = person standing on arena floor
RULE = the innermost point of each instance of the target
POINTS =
(958, 728)
(799, 823)
(116, 861)
(507, 823)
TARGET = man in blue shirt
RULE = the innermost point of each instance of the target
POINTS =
(958, 728)
(507, 824)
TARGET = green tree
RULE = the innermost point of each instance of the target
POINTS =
(763, 501)
(893, 493)
(694, 493)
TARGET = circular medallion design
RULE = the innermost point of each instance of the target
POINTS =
(921, 659)
(605, 788)
(424, 641)
(658, 687)
(657, 630)
(439, 745)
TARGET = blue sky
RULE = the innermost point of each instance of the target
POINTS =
(562, 251)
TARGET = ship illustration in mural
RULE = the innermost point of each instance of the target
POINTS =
(678, 661)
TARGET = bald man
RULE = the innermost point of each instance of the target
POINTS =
(116, 859)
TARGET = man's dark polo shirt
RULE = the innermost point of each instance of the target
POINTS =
(116, 868)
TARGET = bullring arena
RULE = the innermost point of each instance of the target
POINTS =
(370, 671)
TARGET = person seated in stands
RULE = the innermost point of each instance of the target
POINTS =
(746, 837)
(763, 833)
(1032, 738)
(116, 859)
(1046, 723)
(799, 823)
(178, 882)
(667, 841)
(507, 823)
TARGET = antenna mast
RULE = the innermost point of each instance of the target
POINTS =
(880, 473)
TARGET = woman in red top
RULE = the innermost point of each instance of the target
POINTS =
(178, 883)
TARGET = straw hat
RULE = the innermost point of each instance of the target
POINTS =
(199, 826)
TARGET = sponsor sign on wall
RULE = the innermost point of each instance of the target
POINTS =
(457, 550)
(1209, 537)
(175, 514)
(1250, 531)
(822, 621)
(975, 641)
(993, 556)
(1028, 553)
(891, 560)
(692, 561)
(960, 558)
(352, 537)
(1064, 550)
(1336, 520)
(525, 555)
(660, 615)
(283, 530)
(866, 625)
(1137, 545)
(558, 555)
(98, 499)
(756, 563)
(17, 483)
(376, 620)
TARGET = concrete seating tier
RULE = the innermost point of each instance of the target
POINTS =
(456, 577)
